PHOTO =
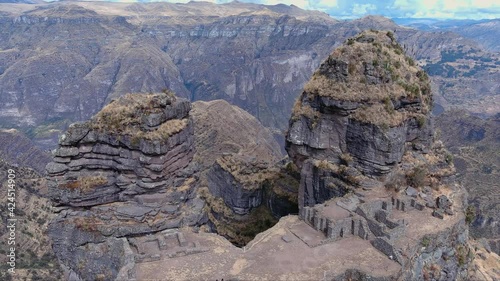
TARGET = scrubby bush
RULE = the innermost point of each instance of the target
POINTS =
(416, 177)
(470, 214)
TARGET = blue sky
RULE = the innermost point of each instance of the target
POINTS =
(445, 9)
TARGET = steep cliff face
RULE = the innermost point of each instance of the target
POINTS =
(125, 172)
(246, 196)
(372, 97)
(362, 135)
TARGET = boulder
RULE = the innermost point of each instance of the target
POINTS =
(443, 202)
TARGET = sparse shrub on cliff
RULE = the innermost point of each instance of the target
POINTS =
(461, 254)
(305, 110)
(389, 107)
(448, 158)
(421, 121)
(325, 165)
(426, 241)
(470, 214)
(416, 177)
(411, 89)
(346, 158)
(422, 75)
(410, 61)
(397, 182)
(390, 35)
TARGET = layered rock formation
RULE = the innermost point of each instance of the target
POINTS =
(361, 130)
(125, 172)
(377, 195)
(135, 169)
(377, 198)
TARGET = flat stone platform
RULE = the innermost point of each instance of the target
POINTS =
(276, 254)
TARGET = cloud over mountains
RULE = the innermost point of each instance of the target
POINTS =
(446, 9)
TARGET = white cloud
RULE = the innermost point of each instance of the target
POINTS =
(457, 9)
(363, 9)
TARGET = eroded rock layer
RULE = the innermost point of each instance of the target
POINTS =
(125, 172)
(365, 102)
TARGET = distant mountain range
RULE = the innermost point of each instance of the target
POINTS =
(62, 62)
(484, 32)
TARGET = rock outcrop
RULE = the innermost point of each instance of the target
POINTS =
(128, 171)
(246, 196)
(372, 97)
(222, 128)
(246, 186)
(238, 182)
(377, 198)
(362, 135)
(135, 169)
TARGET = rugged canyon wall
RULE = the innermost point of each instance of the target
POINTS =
(257, 57)
(475, 144)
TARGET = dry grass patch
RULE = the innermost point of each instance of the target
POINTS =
(124, 117)
(381, 59)
(378, 115)
(86, 183)
(250, 174)
(301, 109)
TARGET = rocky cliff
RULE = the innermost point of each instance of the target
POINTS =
(125, 172)
(139, 167)
(362, 131)
(371, 130)
(377, 195)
